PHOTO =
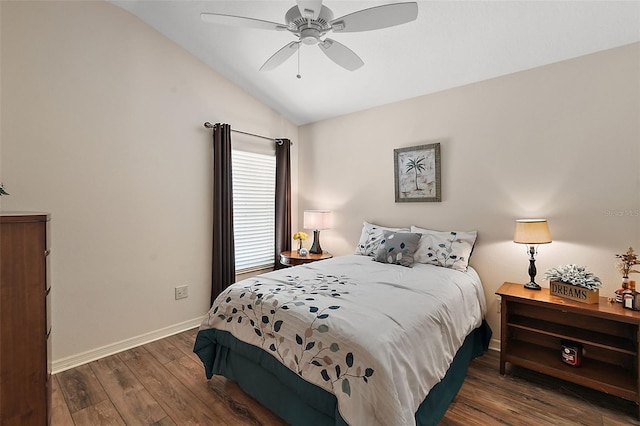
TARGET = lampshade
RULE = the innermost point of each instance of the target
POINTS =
(317, 219)
(532, 231)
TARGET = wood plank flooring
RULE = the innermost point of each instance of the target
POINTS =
(163, 383)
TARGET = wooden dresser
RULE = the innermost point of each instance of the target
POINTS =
(25, 325)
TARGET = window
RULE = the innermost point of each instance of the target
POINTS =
(254, 191)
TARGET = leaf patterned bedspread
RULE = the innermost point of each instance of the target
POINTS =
(377, 336)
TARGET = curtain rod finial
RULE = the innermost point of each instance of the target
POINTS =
(208, 125)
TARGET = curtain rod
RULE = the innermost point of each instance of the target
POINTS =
(278, 141)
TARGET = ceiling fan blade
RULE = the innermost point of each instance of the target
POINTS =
(241, 21)
(341, 54)
(377, 17)
(309, 8)
(280, 56)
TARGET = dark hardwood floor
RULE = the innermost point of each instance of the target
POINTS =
(163, 383)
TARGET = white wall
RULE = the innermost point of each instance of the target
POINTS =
(102, 126)
(560, 142)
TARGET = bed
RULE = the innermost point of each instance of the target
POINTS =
(352, 340)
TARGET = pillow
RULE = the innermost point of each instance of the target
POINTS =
(451, 249)
(397, 248)
(371, 236)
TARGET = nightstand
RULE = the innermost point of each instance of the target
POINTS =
(534, 323)
(292, 258)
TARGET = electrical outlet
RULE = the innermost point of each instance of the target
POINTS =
(182, 292)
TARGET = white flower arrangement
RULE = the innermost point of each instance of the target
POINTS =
(574, 275)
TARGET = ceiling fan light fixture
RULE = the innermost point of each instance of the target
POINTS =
(310, 36)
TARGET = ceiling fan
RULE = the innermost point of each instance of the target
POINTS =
(309, 20)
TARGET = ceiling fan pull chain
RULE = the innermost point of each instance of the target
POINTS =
(298, 75)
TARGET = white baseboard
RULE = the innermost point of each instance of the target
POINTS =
(72, 361)
(494, 345)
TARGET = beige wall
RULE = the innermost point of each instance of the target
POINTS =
(560, 142)
(102, 125)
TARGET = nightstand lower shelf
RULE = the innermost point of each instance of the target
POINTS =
(595, 374)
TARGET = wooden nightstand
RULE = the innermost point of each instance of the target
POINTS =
(292, 258)
(533, 324)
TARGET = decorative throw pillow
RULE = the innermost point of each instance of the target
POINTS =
(451, 249)
(397, 248)
(371, 236)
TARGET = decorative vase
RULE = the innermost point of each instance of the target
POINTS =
(301, 250)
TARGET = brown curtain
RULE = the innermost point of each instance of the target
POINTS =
(223, 262)
(283, 199)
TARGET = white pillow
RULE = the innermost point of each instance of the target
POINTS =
(450, 249)
(371, 236)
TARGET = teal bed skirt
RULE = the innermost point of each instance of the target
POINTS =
(298, 402)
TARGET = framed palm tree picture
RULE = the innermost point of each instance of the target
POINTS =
(417, 173)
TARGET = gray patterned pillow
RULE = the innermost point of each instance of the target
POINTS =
(397, 248)
(371, 236)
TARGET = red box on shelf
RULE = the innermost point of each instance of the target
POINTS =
(571, 353)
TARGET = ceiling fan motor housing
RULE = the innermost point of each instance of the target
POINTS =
(309, 30)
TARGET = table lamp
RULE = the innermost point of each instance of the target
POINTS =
(532, 232)
(317, 220)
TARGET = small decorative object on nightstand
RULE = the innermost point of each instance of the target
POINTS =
(630, 297)
(625, 264)
(293, 258)
(532, 232)
(301, 236)
(574, 282)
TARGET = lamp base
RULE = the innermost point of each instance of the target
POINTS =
(315, 248)
(532, 286)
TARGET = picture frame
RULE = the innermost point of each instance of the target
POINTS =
(417, 173)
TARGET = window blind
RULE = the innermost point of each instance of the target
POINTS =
(254, 191)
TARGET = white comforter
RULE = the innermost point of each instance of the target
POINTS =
(377, 336)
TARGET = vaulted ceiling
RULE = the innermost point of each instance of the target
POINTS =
(451, 43)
